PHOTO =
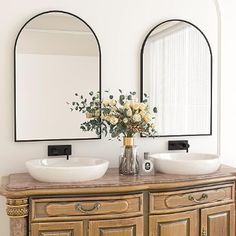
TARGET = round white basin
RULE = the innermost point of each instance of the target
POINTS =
(62, 170)
(186, 163)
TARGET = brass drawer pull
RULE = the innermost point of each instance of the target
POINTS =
(199, 200)
(96, 206)
(204, 232)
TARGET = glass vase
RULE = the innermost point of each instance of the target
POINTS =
(128, 163)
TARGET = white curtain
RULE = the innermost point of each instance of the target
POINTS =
(177, 78)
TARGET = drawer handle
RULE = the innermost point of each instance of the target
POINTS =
(96, 206)
(199, 200)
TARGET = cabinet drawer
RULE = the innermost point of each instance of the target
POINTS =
(84, 207)
(193, 198)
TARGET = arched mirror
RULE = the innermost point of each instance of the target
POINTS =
(57, 54)
(176, 73)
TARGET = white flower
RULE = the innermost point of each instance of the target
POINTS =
(142, 113)
(105, 102)
(125, 120)
(112, 102)
(153, 126)
(127, 105)
(114, 108)
(131, 103)
(114, 120)
(97, 113)
(107, 118)
(137, 118)
(89, 115)
(129, 113)
(135, 105)
(147, 118)
(142, 106)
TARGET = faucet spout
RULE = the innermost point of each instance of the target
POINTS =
(67, 153)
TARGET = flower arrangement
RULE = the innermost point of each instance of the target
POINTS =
(124, 116)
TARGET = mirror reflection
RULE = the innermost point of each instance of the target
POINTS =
(56, 55)
(176, 64)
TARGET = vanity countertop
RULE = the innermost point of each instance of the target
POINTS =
(23, 185)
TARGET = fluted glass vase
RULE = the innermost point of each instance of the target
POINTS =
(128, 164)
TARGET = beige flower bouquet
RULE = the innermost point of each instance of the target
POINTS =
(124, 116)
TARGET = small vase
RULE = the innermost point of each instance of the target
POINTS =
(129, 158)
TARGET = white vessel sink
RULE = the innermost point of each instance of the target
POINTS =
(186, 163)
(62, 170)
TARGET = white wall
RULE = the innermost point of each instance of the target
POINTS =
(228, 80)
(121, 27)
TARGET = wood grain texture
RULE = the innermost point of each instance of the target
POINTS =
(19, 226)
(57, 229)
(64, 208)
(173, 201)
(218, 221)
(121, 227)
(23, 185)
(177, 224)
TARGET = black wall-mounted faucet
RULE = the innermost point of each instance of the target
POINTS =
(178, 145)
(59, 150)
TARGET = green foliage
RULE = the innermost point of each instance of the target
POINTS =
(122, 117)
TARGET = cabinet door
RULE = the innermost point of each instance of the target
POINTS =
(218, 221)
(118, 227)
(57, 229)
(178, 224)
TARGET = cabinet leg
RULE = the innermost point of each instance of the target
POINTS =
(18, 211)
(18, 227)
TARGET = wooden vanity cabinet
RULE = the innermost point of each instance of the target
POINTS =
(160, 205)
(205, 211)
(117, 227)
(213, 221)
(57, 229)
(179, 224)
(116, 215)
(218, 221)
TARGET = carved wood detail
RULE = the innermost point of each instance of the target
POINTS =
(77, 208)
(218, 221)
(106, 207)
(58, 229)
(163, 202)
(120, 227)
(184, 199)
(178, 224)
(17, 208)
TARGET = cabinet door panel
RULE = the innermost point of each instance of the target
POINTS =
(57, 229)
(178, 224)
(119, 227)
(218, 221)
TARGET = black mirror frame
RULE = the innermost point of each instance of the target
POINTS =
(211, 73)
(100, 86)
